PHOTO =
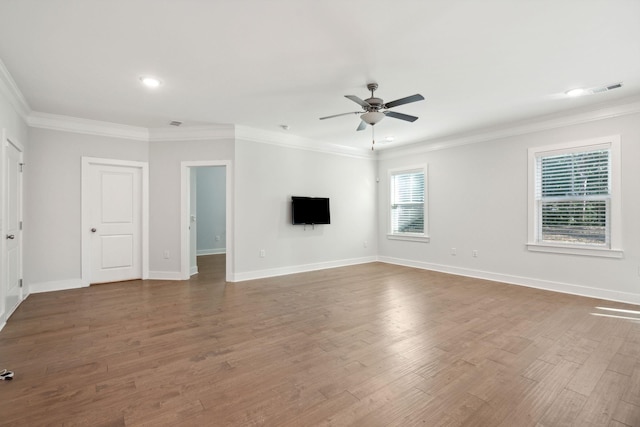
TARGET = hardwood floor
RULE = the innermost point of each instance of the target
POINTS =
(366, 345)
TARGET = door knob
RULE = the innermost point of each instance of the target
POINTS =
(11, 236)
(93, 230)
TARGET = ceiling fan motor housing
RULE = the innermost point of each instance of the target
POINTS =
(375, 103)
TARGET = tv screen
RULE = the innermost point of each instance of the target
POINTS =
(310, 210)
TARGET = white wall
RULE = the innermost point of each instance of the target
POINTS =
(211, 218)
(478, 201)
(52, 255)
(165, 159)
(266, 176)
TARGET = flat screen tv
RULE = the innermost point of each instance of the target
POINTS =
(310, 210)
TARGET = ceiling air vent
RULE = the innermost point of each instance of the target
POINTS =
(601, 89)
(175, 123)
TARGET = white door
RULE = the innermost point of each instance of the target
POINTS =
(115, 222)
(12, 229)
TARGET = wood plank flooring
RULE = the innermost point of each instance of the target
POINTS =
(366, 345)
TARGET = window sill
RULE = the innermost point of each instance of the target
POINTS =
(409, 237)
(573, 250)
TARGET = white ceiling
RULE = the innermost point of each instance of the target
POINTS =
(263, 64)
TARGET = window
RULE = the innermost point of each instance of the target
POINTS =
(574, 198)
(407, 204)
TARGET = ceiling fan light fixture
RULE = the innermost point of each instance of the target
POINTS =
(372, 117)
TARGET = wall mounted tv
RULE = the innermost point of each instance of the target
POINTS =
(310, 210)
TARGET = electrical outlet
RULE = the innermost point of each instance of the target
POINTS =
(166, 254)
(474, 253)
(454, 251)
(263, 253)
(364, 244)
(217, 238)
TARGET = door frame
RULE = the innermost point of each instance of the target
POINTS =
(85, 223)
(185, 205)
(5, 311)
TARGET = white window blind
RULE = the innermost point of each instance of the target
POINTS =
(573, 197)
(407, 202)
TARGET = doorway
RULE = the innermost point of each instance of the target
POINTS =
(206, 215)
(207, 220)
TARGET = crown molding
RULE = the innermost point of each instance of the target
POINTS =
(86, 126)
(10, 90)
(192, 133)
(36, 119)
(195, 133)
(294, 141)
(594, 113)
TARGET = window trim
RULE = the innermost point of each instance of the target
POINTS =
(615, 244)
(411, 237)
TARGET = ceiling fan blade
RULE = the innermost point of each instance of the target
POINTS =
(358, 100)
(338, 115)
(405, 100)
(400, 116)
(362, 125)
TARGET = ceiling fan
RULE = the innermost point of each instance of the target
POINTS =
(375, 109)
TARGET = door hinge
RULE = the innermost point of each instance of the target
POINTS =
(20, 225)
(21, 167)
(20, 282)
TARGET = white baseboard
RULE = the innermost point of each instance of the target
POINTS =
(565, 288)
(61, 285)
(165, 275)
(55, 285)
(194, 270)
(272, 272)
(214, 251)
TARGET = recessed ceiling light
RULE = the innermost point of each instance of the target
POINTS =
(576, 92)
(150, 81)
(386, 140)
